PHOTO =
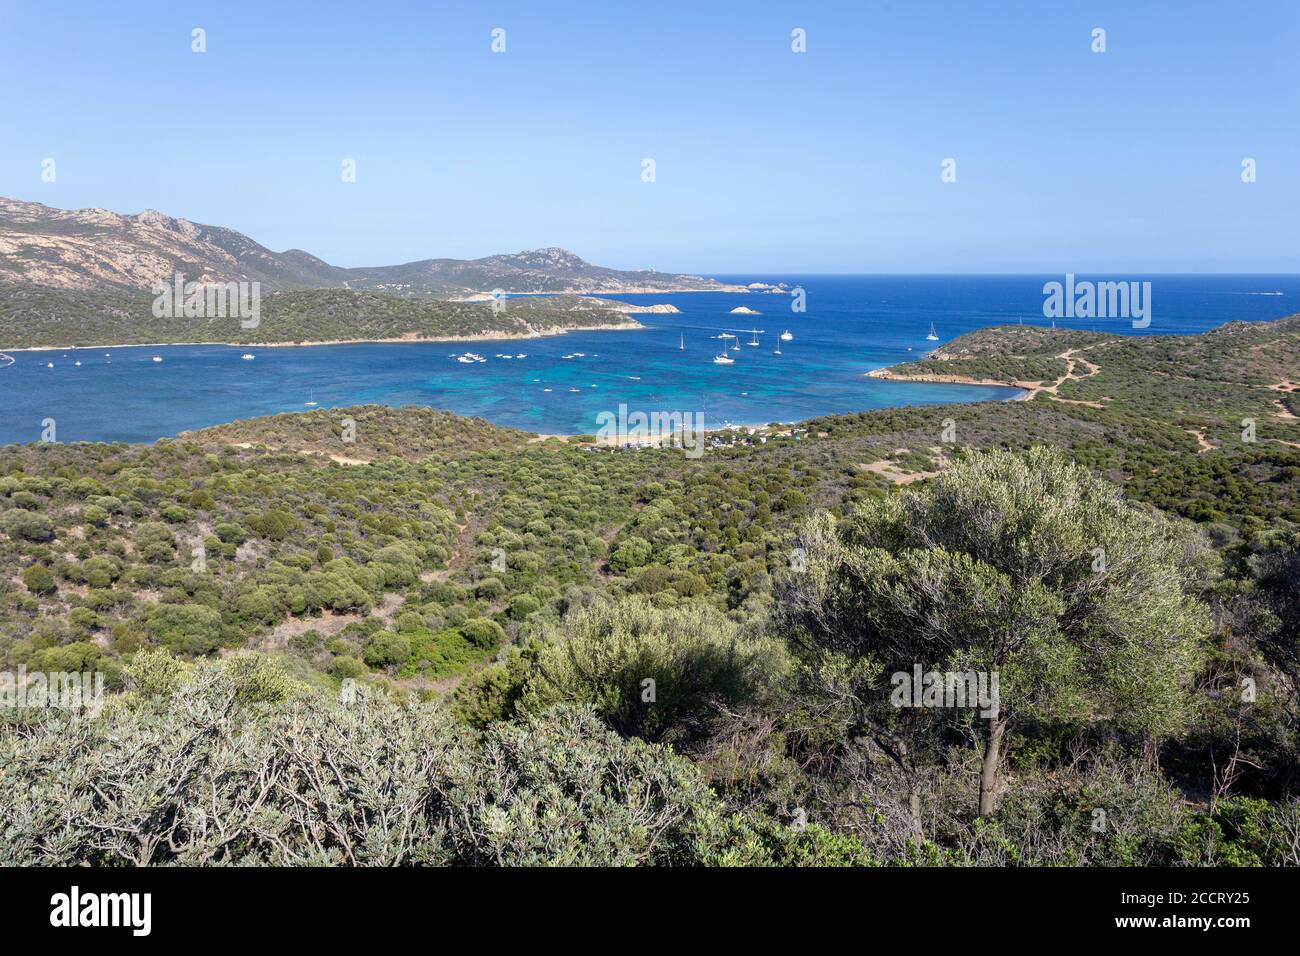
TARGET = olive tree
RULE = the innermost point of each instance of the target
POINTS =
(1025, 571)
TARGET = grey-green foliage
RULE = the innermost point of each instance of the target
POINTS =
(652, 672)
(1022, 565)
(215, 765)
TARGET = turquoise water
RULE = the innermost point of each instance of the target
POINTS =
(852, 324)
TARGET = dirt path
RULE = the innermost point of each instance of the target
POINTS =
(328, 624)
(310, 452)
(887, 469)
(1071, 364)
(461, 550)
(1200, 438)
(1032, 389)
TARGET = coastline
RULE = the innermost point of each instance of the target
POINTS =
(602, 293)
(1026, 389)
(407, 338)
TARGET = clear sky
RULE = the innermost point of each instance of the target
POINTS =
(766, 160)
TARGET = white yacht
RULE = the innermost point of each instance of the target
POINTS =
(786, 336)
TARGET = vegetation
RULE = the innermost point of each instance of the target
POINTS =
(1025, 567)
(520, 651)
(235, 764)
(36, 316)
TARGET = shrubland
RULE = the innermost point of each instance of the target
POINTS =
(448, 643)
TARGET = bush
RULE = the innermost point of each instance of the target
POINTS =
(26, 525)
(490, 588)
(155, 673)
(632, 553)
(650, 672)
(522, 606)
(482, 632)
(387, 649)
(344, 667)
(94, 515)
(38, 579)
(312, 782)
(189, 629)
(230, 533)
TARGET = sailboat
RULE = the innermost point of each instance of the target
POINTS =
(724, 358)
(932, 337)
(754, 340)
(311, 398)
(681, 346)
(777, 350)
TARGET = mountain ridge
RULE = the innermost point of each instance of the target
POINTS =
(98, 249)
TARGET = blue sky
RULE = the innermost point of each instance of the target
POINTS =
(767, 161)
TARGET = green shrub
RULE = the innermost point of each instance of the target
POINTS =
(38, 579)
(189, 629)
(482, 632)
(387, 649)
(649, 672)
(26, 525)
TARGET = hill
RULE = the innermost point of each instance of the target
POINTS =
(378, 431)
(95, 249)
(32, 317)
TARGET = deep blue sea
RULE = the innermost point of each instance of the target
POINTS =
(852, 324)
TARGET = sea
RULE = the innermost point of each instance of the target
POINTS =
(850, 324)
